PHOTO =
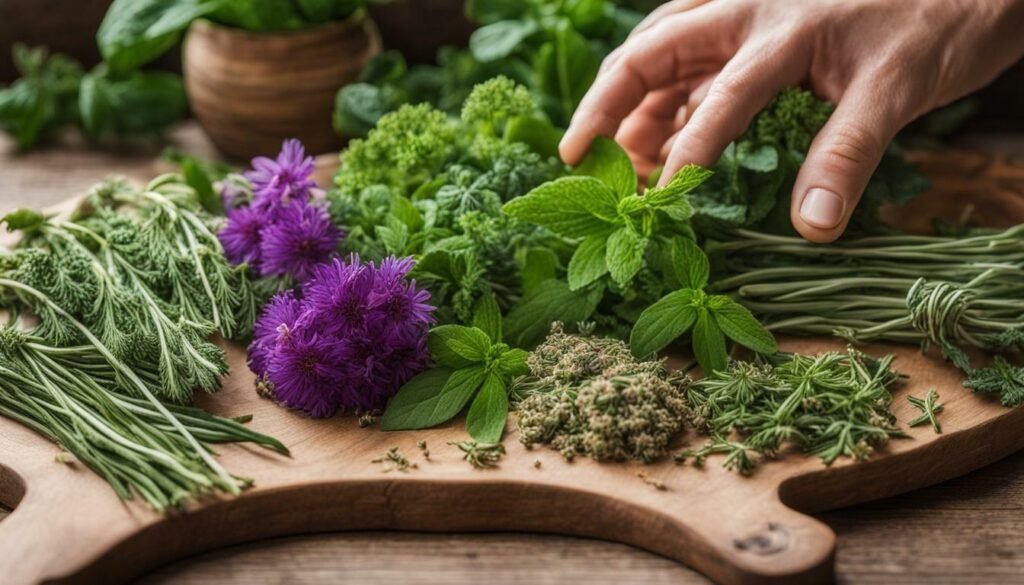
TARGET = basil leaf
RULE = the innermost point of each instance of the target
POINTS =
(487, 317)
(662, 323)
(499, 40)
(540, 135)
(512, 363)
(134, 32)
(625, 256)
(552, 300)
(690, 263)
(540, 265)
(431, 398)
(456, 346)
(608, 162)
(709, 343)
(486, 419)
(587, 263)
(742, 327)
(574, 207)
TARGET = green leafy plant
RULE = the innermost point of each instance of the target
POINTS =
(474, 367)
(713, 318)
(930, 407)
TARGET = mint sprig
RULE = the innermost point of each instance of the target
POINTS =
(713, 318)
(474, 367)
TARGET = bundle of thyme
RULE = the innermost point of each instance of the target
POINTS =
(953, 293)
(589, 396)
(829, 405)
(110, 313)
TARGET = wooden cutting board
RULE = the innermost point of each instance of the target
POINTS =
(69, 527)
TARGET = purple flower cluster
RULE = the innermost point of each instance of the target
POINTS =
(282, 232)
(349, 339)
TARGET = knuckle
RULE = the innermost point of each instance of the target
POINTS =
(851, 146)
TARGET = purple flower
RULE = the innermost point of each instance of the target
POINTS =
(283, 180)
(301, 237)
(356, 335)
(280, 314)
(306, 370)
(241, 237)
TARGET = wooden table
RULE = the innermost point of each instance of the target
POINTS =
(969, 530)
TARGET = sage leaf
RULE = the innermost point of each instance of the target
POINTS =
(662, 323)
(485, 421)
(690, 264)
(709, 343)
(742, 327)
(608, 162)
(574, 207)
(625, 256)
(431, 398)
(487, 317)
(456, 346)
(500, 39)
(588, 262)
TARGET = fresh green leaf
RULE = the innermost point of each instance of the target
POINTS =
(573, 207)
(134, 32)
(540, 265)
(566, 68)
(625, 256)
(431, 398)
(456, 346)
(551, 301)
(608, 162)
(491, 11)
(197, 178)
(499, 40)
(485, 421)
(671, 198)
(709, 343)
(762, 158)
(742, 327)
(690, 263)
(662, 323)
(487, 317)
(587, 263)
(260, 16)
(512, 363)
(540, 135)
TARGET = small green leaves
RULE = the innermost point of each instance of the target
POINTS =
(742, 327)
(930, 407)
(23, 219)
(608, 162)
(625, 254)
(587, 263)
(485, 421)
(550, 301)
(487, 317)
(709, 343)
(456, 346)
(690, 264)
(431, 398)
(1001, 378)
(573, 207)
(663, 322)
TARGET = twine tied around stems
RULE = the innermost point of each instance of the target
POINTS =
(936, 309)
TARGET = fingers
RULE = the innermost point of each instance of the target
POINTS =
(664, 10)
(746, 84)
(654, 121)
(841, 160)
(658, 58)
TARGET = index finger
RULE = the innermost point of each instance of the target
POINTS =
(654, 59)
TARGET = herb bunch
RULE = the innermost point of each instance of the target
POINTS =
(830, 405)
(952, 293)
(588, 396)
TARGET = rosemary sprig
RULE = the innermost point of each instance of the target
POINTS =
(929, 407)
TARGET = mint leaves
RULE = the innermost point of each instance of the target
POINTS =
(600, 205)
(712, 318)
(474, 367)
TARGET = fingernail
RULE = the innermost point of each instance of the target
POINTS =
(822, 208)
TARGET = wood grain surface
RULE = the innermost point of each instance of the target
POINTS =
(995, 525)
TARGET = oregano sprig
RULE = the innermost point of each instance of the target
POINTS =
(474, 367)
(712, 318)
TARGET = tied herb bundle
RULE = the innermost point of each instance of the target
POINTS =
(830, 405)
(589, 396)
(125, 296)
(953, 293)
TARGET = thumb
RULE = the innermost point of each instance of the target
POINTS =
(840, 163)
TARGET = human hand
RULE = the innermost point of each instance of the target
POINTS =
(693, 75)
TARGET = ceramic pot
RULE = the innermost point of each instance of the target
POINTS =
(250, 91)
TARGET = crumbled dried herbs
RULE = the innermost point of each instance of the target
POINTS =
(395, 460)
(480, 455)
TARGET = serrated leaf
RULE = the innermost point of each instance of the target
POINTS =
(671, 198)
(512, 363)
(625, 254)
(574, 207)
(587, 263)
(709, 343)
(456, 346)
(761, 158)
(740, 325)
(690, 264)
(431, 398)
(485, 421)
(662, 323)
(608, 162)
(487, 317)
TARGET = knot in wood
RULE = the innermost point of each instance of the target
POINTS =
(770, 540)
